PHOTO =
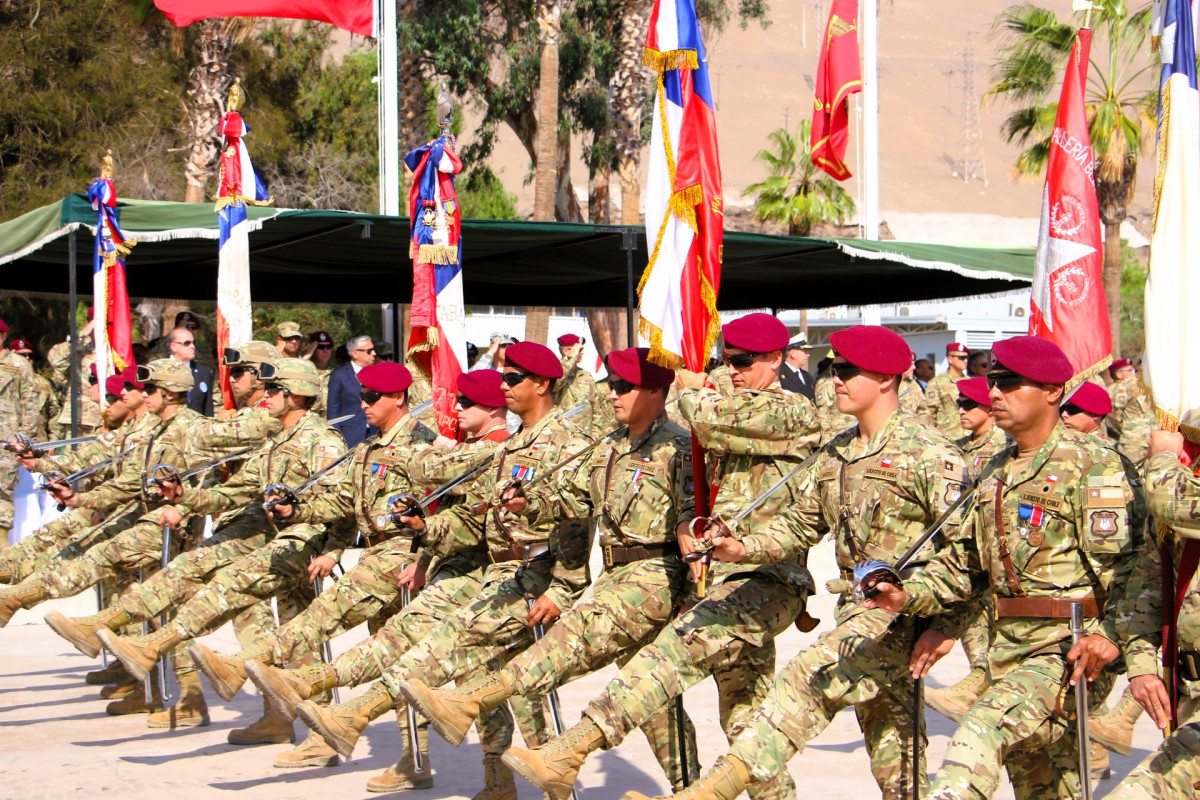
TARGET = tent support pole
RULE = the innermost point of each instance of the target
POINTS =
(74, 374)
(629, 242)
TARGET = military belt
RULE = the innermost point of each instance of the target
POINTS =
(519, 552)
(1189, 665)
(619, 556)
(1044, 607)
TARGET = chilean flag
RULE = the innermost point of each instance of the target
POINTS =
(239, 185)
(684, 211)
(438, 342)
(112, 327)
(353, 15)
(1068, 304)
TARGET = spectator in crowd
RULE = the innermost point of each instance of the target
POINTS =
(793, 376)
(472, 355)
(493, 357)
(385, 352)
(345, 392)
(978, 364)
(182, 347)
(320, 350)
(923, 372)
(288, 339)
(186, 319)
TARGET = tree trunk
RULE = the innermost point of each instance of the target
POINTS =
(537, 324)
(599, 212)
(546, 180)
(566, 204)
(608, 329)
(208, 86)
(627, 87)
(1112, 281)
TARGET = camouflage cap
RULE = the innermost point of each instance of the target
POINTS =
(297, 375)
(288, 330)
(167, 373)
(251, 354)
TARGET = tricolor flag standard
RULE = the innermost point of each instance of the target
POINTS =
(1173, 287)
(112, 327)
(1068, 304)
(353, 15)
(684, 213)
(239, 185)
(438, 342)
(839, 75)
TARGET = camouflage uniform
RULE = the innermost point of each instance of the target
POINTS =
(912, 396)
(321, 405)
(832, 421)
(877, 498)
(90, 419)
(18, 414)
(1173, 493)
(1132, 418)
(577, 387)
(1071, 513)
(752, 438)
(941, 397)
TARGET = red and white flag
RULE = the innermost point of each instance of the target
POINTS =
(1068, 304)
(839, 75)
(357, 16)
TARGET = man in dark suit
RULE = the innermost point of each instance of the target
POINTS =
(182, 345)
(792, 376)
(345, 390)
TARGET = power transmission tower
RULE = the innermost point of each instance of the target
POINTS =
(971, 165)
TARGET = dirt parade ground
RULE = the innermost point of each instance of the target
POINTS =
(58, 741)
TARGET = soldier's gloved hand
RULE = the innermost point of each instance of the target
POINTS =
(890, 598)
(320, 567)
(1151, 694)
(63, 493)
(412, 576)
(931, 647)
(513, 499)
(1090, 655)
(280, 512)
(170, 517)
(544, 610)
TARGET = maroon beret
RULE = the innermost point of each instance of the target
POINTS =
(320, 337)
(95, 374)
(386, 376)
(873, 348)
(633, 365)
(957, 347)
(1092, 398)
(975, 389)
(114, 385)
(1034, 358)
(483, 387)
(535, 358)
(91, 315)
(568, 339)
(130, 376)
(1119, 363)
(3, 326)
(19, 345)
(756, 333)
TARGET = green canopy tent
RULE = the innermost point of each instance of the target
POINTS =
(340, 257)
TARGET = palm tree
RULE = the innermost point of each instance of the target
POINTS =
(545, 182)
(629, 87)
(1121, 99)
(796, 191)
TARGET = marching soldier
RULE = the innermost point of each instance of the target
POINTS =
(941, 394)
(1132, 418)
(638, 486)
(577, 386)
(754, 433)
(1085, 410)
(45, 404)
(1056, 521)
(18, 404)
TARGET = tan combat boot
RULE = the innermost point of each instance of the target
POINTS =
(554, 767)
(190, 711)
(119, 691)
(135, 701)
(1114, 729)
(403, 774)
(271, 728)
(341, 726)
(227, 674)
(452, 712)
(1098, 764)
(113, 673)
(287, 688)
(139, 654)
(6, 574)
(14, 599)
(955, 701)
(312, 752)
(81, 631)
(728, 778)
(498, 781)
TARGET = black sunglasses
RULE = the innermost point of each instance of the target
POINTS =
(844, 370)
(92, 380)
(370, 396)
(465, 402)
(966, 403)
(237, 372)
(1005, 381)
(619, 386)
(739, 360)
(274, 389)
(187, 343)
(1070, 409)
(324, 347)
(511, 379)
(129, 387)
(149, 388)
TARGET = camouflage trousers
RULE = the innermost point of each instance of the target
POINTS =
(728, 635)
(368, 592)
(455, 583)
(38, 548)
(861, 663)
(8, 483)
(1173, 771)
(628, 608)
(978, 632)
(1014, 726)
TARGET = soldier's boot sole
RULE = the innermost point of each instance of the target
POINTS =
(312, 752)
(283, 689)
(138, 659)
(119, 691)
(113, 673)
(559, 782)
(399, 777)
(336, 733)
(450, 716)
(81, 637)
(135, 703)
(226, 680)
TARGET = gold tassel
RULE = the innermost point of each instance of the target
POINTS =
(683, 205)
(437, 254)
(671, 59)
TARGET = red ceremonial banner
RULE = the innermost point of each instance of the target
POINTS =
(839, 75)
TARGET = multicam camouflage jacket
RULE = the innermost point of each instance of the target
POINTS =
(941, 404)
(18, 395)
(1132, 419)
(831, 421)
(431, 467)
(877, 498)
(753, 438)
(576, 387)
(1065, 524)
(979, 449)
(528, 453)
(133, 433)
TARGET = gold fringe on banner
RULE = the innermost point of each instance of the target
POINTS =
(671, 59)
(437, 254)
(234, 199)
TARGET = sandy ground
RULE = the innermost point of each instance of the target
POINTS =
(58, 742)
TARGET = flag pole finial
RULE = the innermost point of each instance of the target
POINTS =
(235, 95)
(106, 167)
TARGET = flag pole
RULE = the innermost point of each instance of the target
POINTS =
(869, 175)
(389, 115)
